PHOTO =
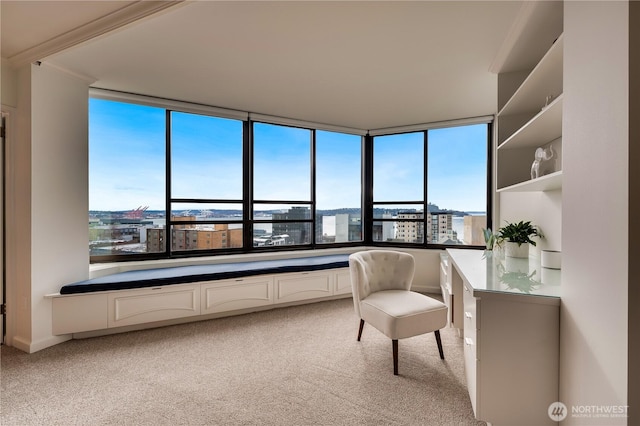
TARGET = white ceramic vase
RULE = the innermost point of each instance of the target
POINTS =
(516, 250)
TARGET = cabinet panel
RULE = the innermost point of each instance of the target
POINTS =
(292, 287)
(518, 360)
(457, 310)
(471, 341)
(156, 304)
(445, 287)
(228, 295)
(75, 314)
(342, 280)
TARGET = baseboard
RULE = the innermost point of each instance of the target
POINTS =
(30, 347)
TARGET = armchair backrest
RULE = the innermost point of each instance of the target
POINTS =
(377, 270)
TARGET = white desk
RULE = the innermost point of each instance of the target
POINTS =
(509, 312)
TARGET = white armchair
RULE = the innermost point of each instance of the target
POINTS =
(381, 282)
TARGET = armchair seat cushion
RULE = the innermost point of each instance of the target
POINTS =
(400, 314)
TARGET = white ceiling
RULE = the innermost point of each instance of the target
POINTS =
(366, 65)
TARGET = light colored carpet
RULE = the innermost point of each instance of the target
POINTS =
(298, 365)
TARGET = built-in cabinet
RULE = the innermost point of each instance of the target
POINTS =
(78, 313)
(511, 336)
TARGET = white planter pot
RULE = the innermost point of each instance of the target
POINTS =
(515, 250)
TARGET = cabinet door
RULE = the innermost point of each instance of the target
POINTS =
(153, 304)
(342, 279)
(241, 293)
(304, 285)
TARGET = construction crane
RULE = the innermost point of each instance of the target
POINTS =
(136, 213)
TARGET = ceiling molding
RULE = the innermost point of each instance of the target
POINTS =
(113, 21)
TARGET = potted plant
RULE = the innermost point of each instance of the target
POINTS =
(517, 237)
(490, 239)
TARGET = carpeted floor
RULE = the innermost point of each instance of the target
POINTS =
(298, 365)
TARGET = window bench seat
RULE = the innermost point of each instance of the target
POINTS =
(196, 292)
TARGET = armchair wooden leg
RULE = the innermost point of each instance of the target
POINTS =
(437, 333)
(395, 356)
(360, 331)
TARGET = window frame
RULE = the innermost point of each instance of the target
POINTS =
(248, 221)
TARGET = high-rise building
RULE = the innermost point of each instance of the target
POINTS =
(473, 226)
(439, 228)
(411, 232)
(298, 232)
(348, 227)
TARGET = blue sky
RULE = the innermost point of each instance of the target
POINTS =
(127, 162)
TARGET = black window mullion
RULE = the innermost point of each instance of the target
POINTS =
(367, 189)
(425, 240)
(313, 187)
(167, 226)
(247, 185)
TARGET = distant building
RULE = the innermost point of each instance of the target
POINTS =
(348, 227)
(473, 226)
(194, 237)
(298, 232)
(411, 232)
(439, 228)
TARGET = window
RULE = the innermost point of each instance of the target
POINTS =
(338, 187)
(127, 178)
(170, 182)
(457, 184)
(398, 188)
(206, 157)
(282, 204)
(455, 173)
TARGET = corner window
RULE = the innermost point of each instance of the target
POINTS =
(454, 174)
(169, 182)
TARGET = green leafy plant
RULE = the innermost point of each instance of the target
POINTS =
(520, 233)
(490, 239)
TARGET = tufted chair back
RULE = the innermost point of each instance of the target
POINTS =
(377, 270)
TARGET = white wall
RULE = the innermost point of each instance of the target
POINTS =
(18, 212)
(8, 86)
(49, 198)
(593, 336)
(543, 209)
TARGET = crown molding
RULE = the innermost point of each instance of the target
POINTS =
(111, 22)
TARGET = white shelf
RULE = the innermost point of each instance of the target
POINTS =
(546, 126)
(548, 182)
(545, 79)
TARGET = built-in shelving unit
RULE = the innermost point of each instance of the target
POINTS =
(548, 182)
(529, 115)
(531, 118)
